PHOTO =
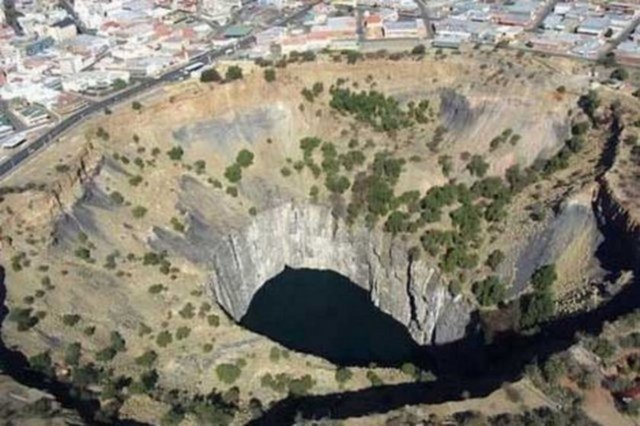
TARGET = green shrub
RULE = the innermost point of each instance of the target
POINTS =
(300, 386)
(494, 259)
(477, 166)
(117, 197)
(544, 277)
(210, 75)
(535, 308)
(244, 158)
(42, 362)
(106, 354)
(228, 373)
(274, 354)
(418, 50)
(233, 173)
(372, 107)
(409, 369)
(213, 320)
(62, 168)
(147, 359)
(337, 184)
(234, 72)
(70, 320)
(603, 348)
(72, 354)
(83, 253)
(188, 311)
(175, 153)
(164, 339)
(489, 291)
(117, 342)
(182, 333)
(374, 379)
(177, 225)
(135, 180)
(200, 166)
(343, 375)
(139, 212)
(270, 75)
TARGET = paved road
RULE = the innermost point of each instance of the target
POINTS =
(43, 141)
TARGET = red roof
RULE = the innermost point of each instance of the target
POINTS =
(633, 393)
(373, 19)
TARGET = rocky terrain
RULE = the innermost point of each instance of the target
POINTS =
(134, 246)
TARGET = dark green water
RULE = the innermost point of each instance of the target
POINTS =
(323, 313)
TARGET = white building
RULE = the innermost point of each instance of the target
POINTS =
(70, 63)
(64, 29)
(32, 92)
(93, 13)
(93, 80)
(217, 10)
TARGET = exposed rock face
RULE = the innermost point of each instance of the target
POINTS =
(569, 240)
(309, 236)
(617, 219)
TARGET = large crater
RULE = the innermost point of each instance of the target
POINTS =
(310, 236)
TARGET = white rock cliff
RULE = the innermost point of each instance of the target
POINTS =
(309, 236)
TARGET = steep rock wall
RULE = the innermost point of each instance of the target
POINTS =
(615, 218)
(569, 240)
(309, 236)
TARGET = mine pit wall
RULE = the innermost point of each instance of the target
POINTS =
(309, 236)
(616, 221)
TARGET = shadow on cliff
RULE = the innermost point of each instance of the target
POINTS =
(323, 313)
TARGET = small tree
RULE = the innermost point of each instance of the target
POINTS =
(477, 166)
(228, 373)
(137, 106)
(119, 84)
(270, 75)
(139, 212)
(233, 173)
(544, 277)
(210, 75)
(489, 291)
(494, 259)
(72, 354)
(343, 375)
(418, 50)
(620, 74)
(117, 197)
(70, 319)
(234, 72)
(175, 153)
(244, 158)
(164, 339)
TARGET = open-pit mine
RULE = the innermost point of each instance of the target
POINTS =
(439, 238)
